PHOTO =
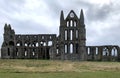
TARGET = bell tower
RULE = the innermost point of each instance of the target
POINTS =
(72, 37)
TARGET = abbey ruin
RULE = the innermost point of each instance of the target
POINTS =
(70, 44)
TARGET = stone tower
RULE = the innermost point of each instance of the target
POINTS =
(72, 37)
(8, 44)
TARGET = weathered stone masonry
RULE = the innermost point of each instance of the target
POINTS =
(69, 45)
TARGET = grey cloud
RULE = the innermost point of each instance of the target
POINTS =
(113, 33)
(93, 13)
(54, 7)
(11, 5)
(109, 36)
(103, 14)
(98, 13)
(28, 27)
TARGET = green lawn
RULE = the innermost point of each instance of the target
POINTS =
(97, 74)
(58, 69)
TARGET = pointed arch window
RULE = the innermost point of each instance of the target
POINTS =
(67, 23)
(33, 53)
(71, 48)
(37, 44)
(65, 34)
(88, 50)
(71, 23)
(76, 34)
(25, 53)
(96, 50)
(114, 52)
(105, 51)
(65, 48)
(57, 51)
(75, 23)
(71, 34)
(50, 43)
(8, 52)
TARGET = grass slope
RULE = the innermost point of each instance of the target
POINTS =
(57, 69)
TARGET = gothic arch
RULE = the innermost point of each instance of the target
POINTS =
(11, 43)
(71, 48)
(19, 43)
(114, 52)
(105, 51)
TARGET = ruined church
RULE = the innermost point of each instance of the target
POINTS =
(70, 44)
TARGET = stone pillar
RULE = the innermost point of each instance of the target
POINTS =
(74, 48)
(28, 54)
(100, 50)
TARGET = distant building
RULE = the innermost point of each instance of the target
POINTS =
(69, 45)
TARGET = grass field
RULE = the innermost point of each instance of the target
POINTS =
(57, 69)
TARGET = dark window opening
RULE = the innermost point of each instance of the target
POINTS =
(77, 48)
(8, 52)
(11, 43)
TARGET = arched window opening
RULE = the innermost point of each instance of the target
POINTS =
(88, 51)
(76, 34)
(50, 37)
(41, 43)
(57, 51)
(96, 50)
(44, 44)
(18, 44)
(33, 53)
(71, 48)
(65, 34)
(67, 23)
(26, 44)
(65, 48)
(75, 24)
(8, 52)
(25, 52)
(77, 45)
(11, 43)
(42, 37)
(71, 23)
(50, 43)
(105, 52)
(114, 52)
(71, 34)
(37, 44)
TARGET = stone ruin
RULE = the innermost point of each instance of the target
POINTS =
(70, 44)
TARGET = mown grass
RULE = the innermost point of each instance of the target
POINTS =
(57, 69)
(62, 75)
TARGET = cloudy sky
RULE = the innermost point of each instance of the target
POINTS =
(102, 18)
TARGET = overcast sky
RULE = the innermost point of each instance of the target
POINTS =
(102, 18)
